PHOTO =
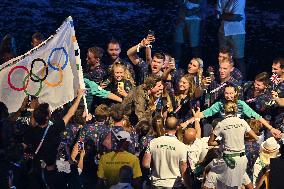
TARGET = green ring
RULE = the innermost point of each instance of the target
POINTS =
(40, 87)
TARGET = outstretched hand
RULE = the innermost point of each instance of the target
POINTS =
(197, 114)
(81, 92)
(276, 133)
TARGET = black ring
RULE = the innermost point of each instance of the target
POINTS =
(32, 66)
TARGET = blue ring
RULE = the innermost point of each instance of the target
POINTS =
(66, 58)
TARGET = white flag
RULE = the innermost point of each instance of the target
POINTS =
(51, 71)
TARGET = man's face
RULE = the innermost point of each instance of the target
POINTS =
(156, 65)
(223, 56)
(35, 42)
(277, 69)
(157, 91)
(92, 59)
(230, 93)
(225, 69)
(113, 50)
(259, 86)
(118, 73)
(193, 67)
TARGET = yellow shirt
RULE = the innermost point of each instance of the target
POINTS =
(111, 162)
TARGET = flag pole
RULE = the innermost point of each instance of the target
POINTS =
(78, 63)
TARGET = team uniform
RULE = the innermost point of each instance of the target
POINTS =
(230, 170)
(167, 152)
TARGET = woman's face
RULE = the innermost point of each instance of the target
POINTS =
(183, 84)
(193, 67)
(118, 73)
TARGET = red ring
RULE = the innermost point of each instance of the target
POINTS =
(9, 78)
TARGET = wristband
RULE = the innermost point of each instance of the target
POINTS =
(149, 46)
(138, 47)
(197, 119)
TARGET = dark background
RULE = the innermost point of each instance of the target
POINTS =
(96, 21)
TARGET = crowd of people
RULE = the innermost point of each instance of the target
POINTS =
(155, 122)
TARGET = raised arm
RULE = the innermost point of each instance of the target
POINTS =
(251, 113)
(74, 107)
(132, 52)
(96, 90)
(197, 122)
(279, 101)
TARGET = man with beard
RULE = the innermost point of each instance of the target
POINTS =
(113, 55)
(256, 94)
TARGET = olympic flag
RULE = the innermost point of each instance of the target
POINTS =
(51, 71)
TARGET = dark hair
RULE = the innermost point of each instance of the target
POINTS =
(78, 116)
(98, 51)
(117, 112)
(8, 45)
(280, 61)
(143, 128)
(113, 41)
(125, 174)
(151, 82)
(236, 90)
(3, 111)
(38, 36)
(226, 51)
(263, 77)
(41, 113)
(159, 56)
(158, 128)
(102, 112)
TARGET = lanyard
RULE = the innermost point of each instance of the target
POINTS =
(43, 137)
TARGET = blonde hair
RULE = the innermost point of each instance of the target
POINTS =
(200, 69)
(231, 107)
(127, 74)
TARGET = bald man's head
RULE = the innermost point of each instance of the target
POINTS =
(189, 136)
(171, 124)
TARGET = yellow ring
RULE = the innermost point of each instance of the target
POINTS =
(60, 78)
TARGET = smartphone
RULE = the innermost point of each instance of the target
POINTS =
(151, 32)
(30, 98)
(209, 74)
(80, 145)
(120, 84)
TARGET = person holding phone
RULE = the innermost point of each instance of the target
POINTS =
(150, 66)
(121, 81)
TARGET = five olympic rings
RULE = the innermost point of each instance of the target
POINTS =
(36, 78)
